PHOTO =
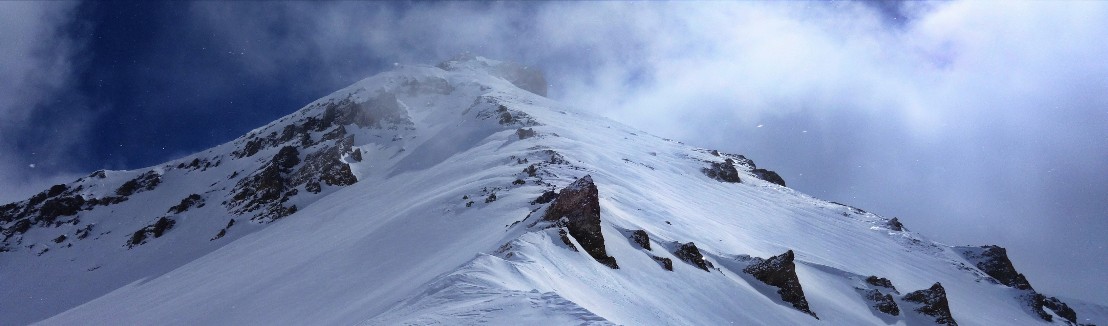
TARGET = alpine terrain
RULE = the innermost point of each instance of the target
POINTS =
(459, 194)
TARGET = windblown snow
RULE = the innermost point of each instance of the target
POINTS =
(425, 209)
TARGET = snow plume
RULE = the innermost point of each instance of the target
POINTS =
(38, 65)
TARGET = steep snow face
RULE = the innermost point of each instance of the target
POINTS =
(418, 196)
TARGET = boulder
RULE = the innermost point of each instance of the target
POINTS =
(769, 176)
(780, 272)
(640, 237)
(933, 303)
(578, 207)
(725, 171)
(691, 254)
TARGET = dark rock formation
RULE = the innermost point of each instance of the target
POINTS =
(880, 281)
(145, 182)
(223, 231)
(525, 133)
(60, 206)
(993, 260)
(59, 239)
(267, 187)
(691, 254)
(934, 304)
(162, 225)
(723, 171)
(191, 201)
(666, 263)
(780, 272)
(1037, 302)
(546, 197)
(769, 176)
(895, 225)
(640, 237)
(578, 207)
(883, 302)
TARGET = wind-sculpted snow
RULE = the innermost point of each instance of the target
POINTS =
(436, 195)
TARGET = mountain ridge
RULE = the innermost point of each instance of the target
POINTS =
(448, 166)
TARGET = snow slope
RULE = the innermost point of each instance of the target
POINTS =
(440, 227)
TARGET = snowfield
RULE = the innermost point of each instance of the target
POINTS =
(442, 227)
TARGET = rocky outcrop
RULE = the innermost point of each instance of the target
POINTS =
(880, 295)
(769, 176)
(691, 254)
(578, 208)
(880, 282)
(666, 263)
(933, 303)
(145, 182)
(895, 225)
(156, 230)
(725, 171)
(882, 302)
(268, 188)
(546, 197)
(780, 272)
(193, 200)
(640, 237)
(993, 260)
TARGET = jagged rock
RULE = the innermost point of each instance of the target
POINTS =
(525, 133)
(59, 239)
(1037, 302)
(993, 260)
(9, 212)
(666, 263)
(490, 198)
(191, 201)
(356, 155)
(565, 239)
(145, 182)
(934, 304)
(895, 225)
(691, 254)
(20, 226)
(327, 166)
(157, 229)
(546, 197)
(780, 272)
(880, 281)
(579, 205)
(723, 171)
(715, 153)
(641, 238)
(883, 302)
(61, 206)
(769, 176)
(100, 174)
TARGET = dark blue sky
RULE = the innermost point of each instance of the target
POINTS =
(974, 123)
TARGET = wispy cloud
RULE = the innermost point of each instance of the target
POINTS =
(38, 58)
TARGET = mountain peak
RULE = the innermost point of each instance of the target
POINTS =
(525, 77)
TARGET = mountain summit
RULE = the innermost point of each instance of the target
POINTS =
(459, 194)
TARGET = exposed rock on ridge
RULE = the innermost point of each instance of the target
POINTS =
(578, 207)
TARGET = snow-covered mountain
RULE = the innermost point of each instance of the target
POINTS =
(459, 194)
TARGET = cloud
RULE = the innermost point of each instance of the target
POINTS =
(39, 60)
(973, 122)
